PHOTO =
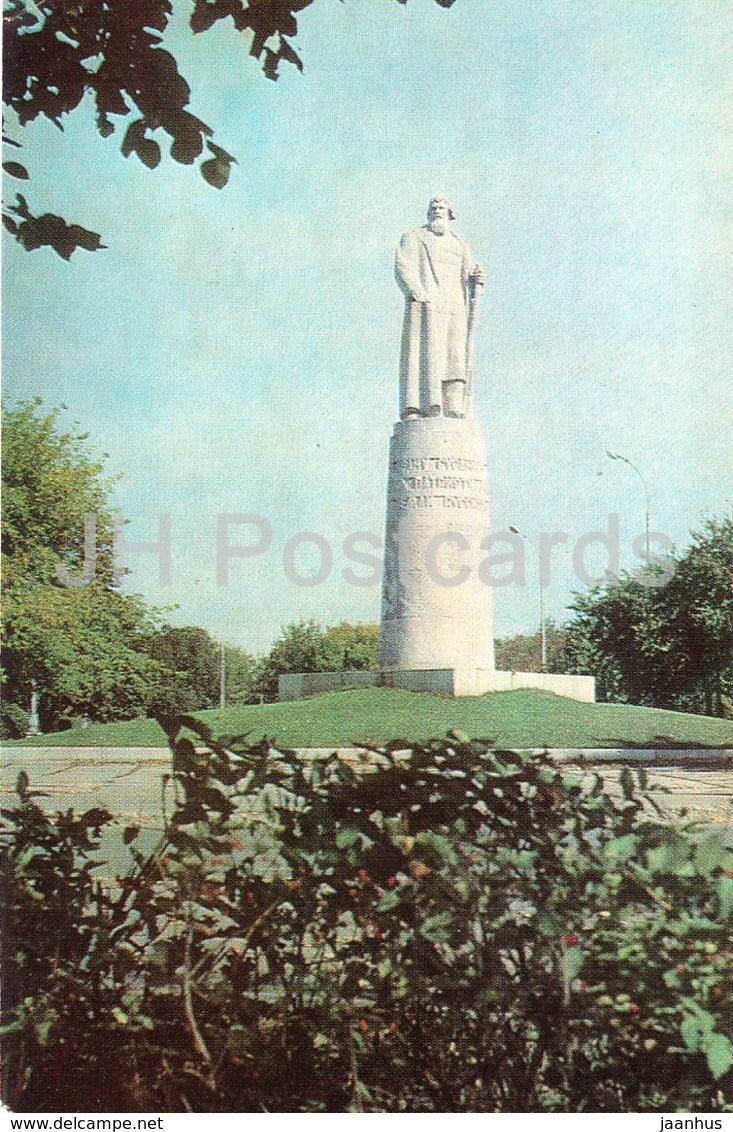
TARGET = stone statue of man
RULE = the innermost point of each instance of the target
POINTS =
(435, 271)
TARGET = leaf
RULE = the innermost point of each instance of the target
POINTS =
(724, 889)
(672, 856)
(22, 783)
(719, 1054)
(439, 849)
(346, 837)
(185, 757)
(15, 169)
(104, 125)
(712, 854)
(12, 1027)
(691, 1033)
(149, 152)
(95, 818)
(287, 53)
(705, 1021)
(642, 778)
(574, 958)
(24, 858)
(389, 900)
(460, 737)
(84, 238)
(129, 833)
(216, 172)
(622, 848)
(134, 134)
(219, 152)
(185, 150)
(216, 800)
(10, 224)
(626, 782)
(197, 726)
(436, 928)
(204, 16)
(20, 208)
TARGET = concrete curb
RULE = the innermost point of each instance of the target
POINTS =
(710, 758)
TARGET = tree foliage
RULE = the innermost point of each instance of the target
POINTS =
(190, 661)
(304, 646)
(668, 646)
(51, 481)
(82, 647)
(351, 646)
(240, 669)
(523, 652)
(445, 928)
(61, 54)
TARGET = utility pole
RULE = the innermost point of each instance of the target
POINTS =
(625, 460)
(543, 628)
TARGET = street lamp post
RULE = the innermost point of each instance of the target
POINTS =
(543, 630)
(625, 460)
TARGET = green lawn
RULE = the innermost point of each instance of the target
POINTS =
(375, 715)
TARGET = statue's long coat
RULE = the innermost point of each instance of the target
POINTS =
(434, 333)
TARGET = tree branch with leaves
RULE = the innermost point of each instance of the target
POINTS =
(58, 53)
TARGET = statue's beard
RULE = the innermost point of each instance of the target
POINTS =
(438, 226)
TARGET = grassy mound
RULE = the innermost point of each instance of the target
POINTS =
(522, 718)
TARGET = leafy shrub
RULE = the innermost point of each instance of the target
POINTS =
(445, 928)
(13, 721)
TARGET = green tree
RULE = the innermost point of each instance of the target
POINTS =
(301, 647)
(668, 645)
(304, 646)
(240, 670)
(190, 664)
(352, 646)
(84, 650)
(51, 481)
(60, 56)
(523, 652)
(83, 646)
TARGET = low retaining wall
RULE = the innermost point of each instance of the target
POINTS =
(440, 681)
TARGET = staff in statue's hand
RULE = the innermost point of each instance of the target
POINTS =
(476, 282)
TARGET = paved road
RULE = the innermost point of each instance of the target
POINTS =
(128, 782)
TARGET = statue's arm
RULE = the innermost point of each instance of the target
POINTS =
(407, 268)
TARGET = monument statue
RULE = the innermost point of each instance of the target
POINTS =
(436, 627)
(441, 284)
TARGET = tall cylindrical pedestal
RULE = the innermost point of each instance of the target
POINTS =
(436, 610)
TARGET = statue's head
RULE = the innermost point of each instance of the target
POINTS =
(440, 204)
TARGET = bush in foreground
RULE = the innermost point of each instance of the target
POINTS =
(448, 928)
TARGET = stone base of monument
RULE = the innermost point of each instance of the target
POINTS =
(442, 681)
(436, 603)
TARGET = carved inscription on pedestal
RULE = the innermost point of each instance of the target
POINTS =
(437, 483)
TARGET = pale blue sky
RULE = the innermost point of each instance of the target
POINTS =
(237, 351)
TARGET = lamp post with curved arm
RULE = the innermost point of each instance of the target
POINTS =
(625, 460)
(543, 631)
